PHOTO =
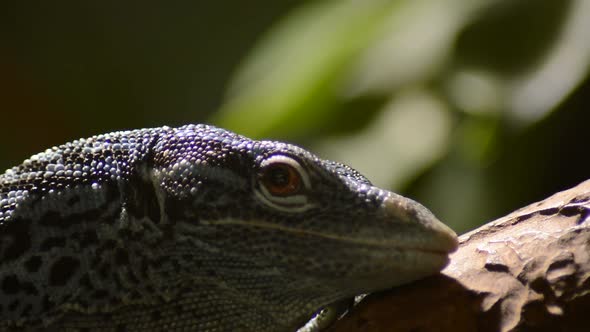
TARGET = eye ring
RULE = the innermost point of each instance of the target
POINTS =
(283, 184)
(281, 179)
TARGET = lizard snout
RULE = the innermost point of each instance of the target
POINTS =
(433, 235)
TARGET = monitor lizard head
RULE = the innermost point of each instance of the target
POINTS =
(295, 215)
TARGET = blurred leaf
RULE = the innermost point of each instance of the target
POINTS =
(537, 51)
(290, 83)
(411, 132)
(511, 36)
(561, 70)
(417, 44)
(475, 138)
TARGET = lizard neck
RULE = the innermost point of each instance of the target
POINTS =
(233, 284)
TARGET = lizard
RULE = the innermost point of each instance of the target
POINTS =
(197, 228)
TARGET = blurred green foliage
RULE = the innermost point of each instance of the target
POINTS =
(474, 108)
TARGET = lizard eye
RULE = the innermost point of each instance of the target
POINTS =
(282, 182)
(280, 179)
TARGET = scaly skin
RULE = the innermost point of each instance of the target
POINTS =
(198, 229)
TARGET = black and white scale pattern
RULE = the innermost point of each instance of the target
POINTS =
(169, 229)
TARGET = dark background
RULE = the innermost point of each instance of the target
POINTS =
(474, 108)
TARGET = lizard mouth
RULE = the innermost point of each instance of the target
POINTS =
(372, 263)
(443, 247)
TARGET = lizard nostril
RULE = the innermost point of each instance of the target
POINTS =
(410, 212)
(402, 208)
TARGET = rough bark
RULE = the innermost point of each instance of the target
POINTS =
(527, 271)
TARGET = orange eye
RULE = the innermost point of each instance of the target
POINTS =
(280, 179)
